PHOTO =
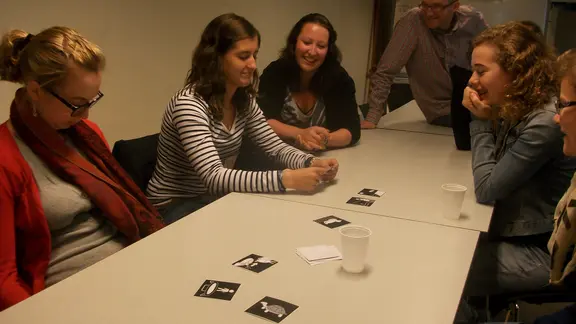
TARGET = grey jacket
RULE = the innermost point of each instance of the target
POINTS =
(521, 169)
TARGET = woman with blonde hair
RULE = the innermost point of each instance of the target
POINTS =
(517, 159)
(65, 203)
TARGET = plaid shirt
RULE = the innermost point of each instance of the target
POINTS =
(428, 56)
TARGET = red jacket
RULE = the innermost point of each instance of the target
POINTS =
(25, 242)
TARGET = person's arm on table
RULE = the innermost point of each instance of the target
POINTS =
(395, 57)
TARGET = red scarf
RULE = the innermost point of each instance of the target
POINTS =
(104, 181)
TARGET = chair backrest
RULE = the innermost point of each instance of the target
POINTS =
(138, 157)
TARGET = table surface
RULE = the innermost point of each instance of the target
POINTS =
(416, 271)
(410, 168)
(410, 118)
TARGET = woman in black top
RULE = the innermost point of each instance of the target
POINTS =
(306, 95)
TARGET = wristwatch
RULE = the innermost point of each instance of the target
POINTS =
(309, 161)
(281, 181)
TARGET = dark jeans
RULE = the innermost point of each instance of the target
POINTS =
(460, 116)
(505, 266)
(181, 207)
(565, 316)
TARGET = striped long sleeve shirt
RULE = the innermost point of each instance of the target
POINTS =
(194, 148)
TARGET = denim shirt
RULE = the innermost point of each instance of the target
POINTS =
(521, 169)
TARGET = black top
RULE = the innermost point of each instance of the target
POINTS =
(332, 84)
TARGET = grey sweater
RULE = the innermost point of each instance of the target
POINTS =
(79, 239)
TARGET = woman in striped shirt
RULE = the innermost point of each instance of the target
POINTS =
(205, 122)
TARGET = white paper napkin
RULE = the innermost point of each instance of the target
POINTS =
(319, 254)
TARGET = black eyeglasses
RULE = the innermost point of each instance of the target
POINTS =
(77, 110)
(563, 104)
(435, 7)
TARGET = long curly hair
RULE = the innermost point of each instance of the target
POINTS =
(530, 63)
(206, 74)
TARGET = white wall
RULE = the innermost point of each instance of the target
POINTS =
(561, 26)
(501, 11)
(149, 43)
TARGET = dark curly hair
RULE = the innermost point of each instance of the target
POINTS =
(566, 66)
(206, 74)
(333, 56)
(525, 56)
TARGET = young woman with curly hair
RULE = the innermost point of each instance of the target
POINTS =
(205, 122)
(517, 159)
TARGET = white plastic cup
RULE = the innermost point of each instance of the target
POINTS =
(355, 241)
(452, 199)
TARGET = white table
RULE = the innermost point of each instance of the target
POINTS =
(410, 118)
(417, 272)
(410, 168)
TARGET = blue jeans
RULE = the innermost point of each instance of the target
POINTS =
(509, 265)
(181, 207)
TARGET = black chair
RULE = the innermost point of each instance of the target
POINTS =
(547, 295)
(460, 116)
(138, 157)
(364, 109)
